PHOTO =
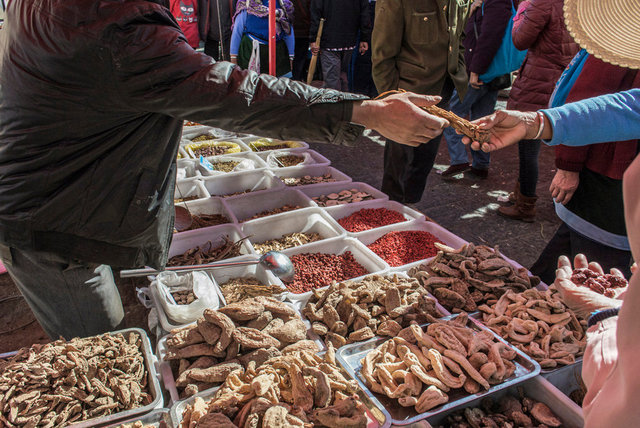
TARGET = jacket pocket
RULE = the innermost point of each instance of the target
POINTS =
(423, 28)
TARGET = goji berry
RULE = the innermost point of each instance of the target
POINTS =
(401, 248)
(314, 270)
(369, 218)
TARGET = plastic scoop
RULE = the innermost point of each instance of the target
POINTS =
(279, 264)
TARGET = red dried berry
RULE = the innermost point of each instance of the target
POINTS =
(369, 218)
(401, 248)
(314, 270)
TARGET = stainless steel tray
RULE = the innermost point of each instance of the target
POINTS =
(152, 380)
(567, 378)
(349, 357)
(177, 409)
(159, 418)
(538, 389)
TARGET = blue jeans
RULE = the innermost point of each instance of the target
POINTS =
(476, 104)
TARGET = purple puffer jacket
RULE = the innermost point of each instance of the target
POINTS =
(484, 32)
(539, 27)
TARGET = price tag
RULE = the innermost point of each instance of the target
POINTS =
(206, 164)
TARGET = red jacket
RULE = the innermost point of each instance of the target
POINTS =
(539, 27)
(609, 159)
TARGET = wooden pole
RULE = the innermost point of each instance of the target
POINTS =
(314, 57)
(272, 37)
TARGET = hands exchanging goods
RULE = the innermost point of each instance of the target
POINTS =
(564, 185)
(364, 46)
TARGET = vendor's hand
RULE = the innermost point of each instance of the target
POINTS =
(314, 48)
(364, 46)
(507, 127)
(581, 300)
(399, 118)
(474, 80)
(564, 185)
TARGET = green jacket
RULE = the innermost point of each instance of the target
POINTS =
(416, 43)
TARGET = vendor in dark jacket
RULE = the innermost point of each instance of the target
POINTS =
(484, 32)
(343, 20)
(92, 102)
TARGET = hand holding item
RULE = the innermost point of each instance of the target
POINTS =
(582, 300)
(474, 80)
(400, 118)
(364, 46)
(564, 185)
(314, 48)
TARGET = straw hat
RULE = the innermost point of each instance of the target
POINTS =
(608, 29)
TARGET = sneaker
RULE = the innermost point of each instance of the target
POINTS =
(480, 173)
(455, 169)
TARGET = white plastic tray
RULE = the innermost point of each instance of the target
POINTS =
(189, 167)
(222, 275)
(194, 238)
(209, 206)
(325, 189)
(258, 163)
(312, 170)
(190, 187)
(371, 262)
(342, 211)
(308, 220)
(248, 140)
(255, 181)
(253, 203)
(448, 238)
(316, 158)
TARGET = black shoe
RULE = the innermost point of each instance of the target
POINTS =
(479, 173)
(455, 169)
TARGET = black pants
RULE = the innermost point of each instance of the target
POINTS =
(528, 151)
(406, 168)
(212, 48)
(300, 59)
(568, 242)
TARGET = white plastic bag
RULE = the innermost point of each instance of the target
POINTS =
(201, 285)
(243, 165)
(273, 162)
(254, 61)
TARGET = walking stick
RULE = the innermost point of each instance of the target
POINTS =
(314, 57)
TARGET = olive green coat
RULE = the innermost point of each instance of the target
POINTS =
(416, 43)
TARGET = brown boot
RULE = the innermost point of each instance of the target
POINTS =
(516, 190)
(524, 209)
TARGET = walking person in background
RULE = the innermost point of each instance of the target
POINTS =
(301, 24)
(538, 27)
(343, 20)
(362, 79)
(250, 35)
(186, 13)
(413, 49)
(484, 31)
(215, 27)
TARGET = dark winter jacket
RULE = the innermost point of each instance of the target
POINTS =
(208, 20)
(540, 28)
(301, 18)
(484, 33)
(92, 100)
(343, 19)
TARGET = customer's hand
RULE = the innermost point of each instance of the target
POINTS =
(564, 185)
(582, 300)
(314, 48)
(364, 46)
(399, 117)
(507, 127)
(474, 80)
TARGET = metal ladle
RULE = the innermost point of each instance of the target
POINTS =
(279, 264)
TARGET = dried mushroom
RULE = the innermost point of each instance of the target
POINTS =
(470, 276)
(376, 305)
(295, 389)
(64, 382)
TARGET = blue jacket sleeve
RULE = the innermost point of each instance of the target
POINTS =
(611, 117)
(237, 33)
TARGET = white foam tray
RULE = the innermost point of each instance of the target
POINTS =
(258, 163)
(309, 220)
(209, 206)
(312, 170)
(371, 262)
(324, 189)
(448, 238)
(190, 187)
(194, 238)
(254, 203)
(248, 140)
(316, 158)
(342, 211)
(222, 275)
(256, 181)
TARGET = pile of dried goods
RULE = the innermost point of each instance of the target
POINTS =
(185, 199)
(183, 297)
(286, 241)
(208, 253)
(539, 324)
(237, 289)
(341, 198)
(207, 150)
(288, 160)
(203, 137)
(418, 368)
(602, 284)
(408, 246)
(266, 213)
(507, 411)
(370, 218)
(227, 339)
(64, 382)
(226, 166)
(205, 220)
(348, 312)
(296, 389)
(241, 192)
(189, 123)
(315, 270)
(472, 275)
(307, 179)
